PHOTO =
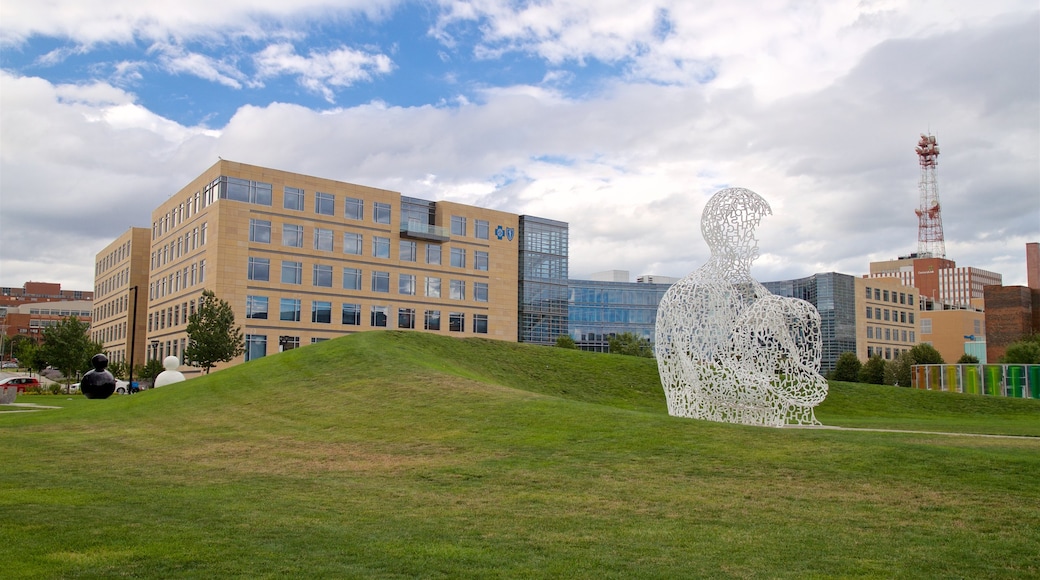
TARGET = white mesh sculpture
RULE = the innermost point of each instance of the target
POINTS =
(728, 350)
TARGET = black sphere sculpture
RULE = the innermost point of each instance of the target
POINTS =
(98, 383)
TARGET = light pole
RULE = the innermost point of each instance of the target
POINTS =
(133, 338)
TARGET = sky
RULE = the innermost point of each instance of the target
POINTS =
(621, 118)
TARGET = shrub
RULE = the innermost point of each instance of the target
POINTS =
(565, 341)
(968, 359)
(1023, 352)
(873, 372)
(847, 368)
(55, 389)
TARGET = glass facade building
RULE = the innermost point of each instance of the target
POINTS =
(834, 296)
(542, 288)
(598, 310)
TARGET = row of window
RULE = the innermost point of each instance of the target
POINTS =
(888, 352)
(893, 334)
(259, 270)
(116, 281)
(893, 296)
(170, 316)
(353, 243)
(178, 280)
(351, 315)
(111, 308)
(170, 251)
(110, 333)
(875, 313)
(114, 257)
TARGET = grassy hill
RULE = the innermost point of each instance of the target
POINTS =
(392, 454)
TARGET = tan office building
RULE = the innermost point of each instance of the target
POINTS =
(887, 319)
(303, 259)
(120, 282)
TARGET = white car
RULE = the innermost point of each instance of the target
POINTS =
(122, 387)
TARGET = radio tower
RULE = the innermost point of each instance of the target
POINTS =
(930, 242)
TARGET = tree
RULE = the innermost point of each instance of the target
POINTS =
(119, 369)
(925, 354)
(212, 334)
(898, 371)
(968, 359)
(565, 341)
(631, 344)
(149, 370)
(873, 372)
(847, 368)
(1023, 352)
(68, 348)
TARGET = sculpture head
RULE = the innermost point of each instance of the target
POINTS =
(171, 363)
(99, 362)
(729, 221)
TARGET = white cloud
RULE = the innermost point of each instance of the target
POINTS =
(629, 169)
(177, 60)
(319, 71)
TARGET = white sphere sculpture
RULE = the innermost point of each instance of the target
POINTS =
(171, 374)
(727, 349)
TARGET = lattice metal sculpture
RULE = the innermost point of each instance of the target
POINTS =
(728, 350)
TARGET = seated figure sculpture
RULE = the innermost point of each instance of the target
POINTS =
(727, 349)
(171, 374)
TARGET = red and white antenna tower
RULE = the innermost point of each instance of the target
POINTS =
(930, 242)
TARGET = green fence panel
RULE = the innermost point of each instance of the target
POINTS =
(971, 380)
(1034, 381)
(1016, 381)
(953, 378)
(993, 377)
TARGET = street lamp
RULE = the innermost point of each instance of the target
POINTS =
(133, 337)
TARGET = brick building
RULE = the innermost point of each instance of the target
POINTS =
(1013, 312)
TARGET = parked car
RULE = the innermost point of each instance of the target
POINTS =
(21, 383)
(122, 387)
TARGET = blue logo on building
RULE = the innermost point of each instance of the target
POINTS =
(501, 232)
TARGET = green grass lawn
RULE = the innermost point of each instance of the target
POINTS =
(399, 455)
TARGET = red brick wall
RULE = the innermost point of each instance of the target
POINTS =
(1012, 312)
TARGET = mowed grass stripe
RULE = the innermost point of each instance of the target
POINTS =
(410, 455)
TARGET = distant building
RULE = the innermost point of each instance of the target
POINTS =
(120, 284)
(26, 311)
(938, 280)
(834, 296)
(887, 322)
(600, 309)
(1013, 312)
(302, 259)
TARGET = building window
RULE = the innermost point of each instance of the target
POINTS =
(888, 334)
(456, 321)
(405, 318)
(292, 235)
(256, 307)
(322, 275)
(323, 239)
(351, 278)
(244, 190)
(256, 346)
(354, 209)
(408, 251)
(910, 299)
(888, 353)
(480, 323)
(380, 247)
(911, 318)
(406, 284)
(259, 269)
(292, 198)
(480, 260)
(480, 291)
(260, 231)
(432, 320)
(381, 213)
(885, 294)
(877, 313)
(877, 294)
(457, 289)
(321, 312)
(379, 315)
(904, 336)
(886, 315)
(926, 326)
(352, 243)
(481, 229)
(868, 293)
(433, 287)
(380, 281)
(289, 309)
(292, 272)
(352, 314)
(902, 297)
(458, 225)
(870, 332)
(912, 337)
(433, 254)
(902, 317)
(458, 257)
(324, 203)
(870, 312)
